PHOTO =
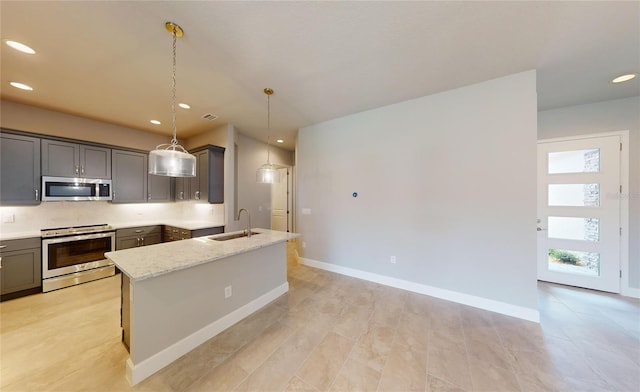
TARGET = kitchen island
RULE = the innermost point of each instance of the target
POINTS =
(177, 295)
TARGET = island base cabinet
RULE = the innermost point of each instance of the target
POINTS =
(171, 314)
(124, 311)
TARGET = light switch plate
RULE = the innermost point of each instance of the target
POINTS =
(8, 218)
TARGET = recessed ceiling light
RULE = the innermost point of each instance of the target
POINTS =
(280, 141)
(184, 105)
(156, 122)
(21, 86)
(20, 47)
(624, 78)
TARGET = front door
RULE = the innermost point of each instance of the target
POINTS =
(579, 212)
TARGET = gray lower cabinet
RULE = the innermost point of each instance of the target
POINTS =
(65, 159)
(129, 176)
(172, 233)
(209, 181)
(19, 170)
(20, 267)
(133, 237)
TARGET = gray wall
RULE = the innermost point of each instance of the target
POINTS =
(255, 197)
(615, 115)
(446, 183)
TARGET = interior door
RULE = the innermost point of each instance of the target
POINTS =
(579, 212)
(279, 208)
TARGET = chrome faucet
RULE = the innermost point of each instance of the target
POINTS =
(248, 221)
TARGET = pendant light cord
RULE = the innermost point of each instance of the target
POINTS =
(174, 141)
(268, 128)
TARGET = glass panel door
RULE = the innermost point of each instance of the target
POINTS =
(579, 212)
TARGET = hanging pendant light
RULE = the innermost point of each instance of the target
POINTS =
(172, 159)
(268, 173)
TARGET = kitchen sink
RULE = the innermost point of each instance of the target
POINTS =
(232, 236)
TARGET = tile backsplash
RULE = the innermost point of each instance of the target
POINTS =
(68, 213)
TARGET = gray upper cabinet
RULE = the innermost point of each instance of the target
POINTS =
(159, 189)
(182, 188)
(19, 170)
(209, 181)
(64, 159)
(129, 177)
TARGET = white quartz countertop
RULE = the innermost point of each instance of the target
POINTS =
(160, 259)
(19, 235)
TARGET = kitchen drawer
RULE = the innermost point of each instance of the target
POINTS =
(25, 243)
(138, 231)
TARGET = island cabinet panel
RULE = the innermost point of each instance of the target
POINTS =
(19, 170)
(208, 184)
(65, 159)
(129, 177)
(21, 268)
(134, 237)
(195, 297)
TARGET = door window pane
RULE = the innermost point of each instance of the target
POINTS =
(576, 161)
(574, 195)
(574, 262)
(583, 229)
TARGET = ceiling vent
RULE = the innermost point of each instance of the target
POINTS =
(209, 116)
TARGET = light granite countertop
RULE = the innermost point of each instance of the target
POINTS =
(6, 235)
(160, 259)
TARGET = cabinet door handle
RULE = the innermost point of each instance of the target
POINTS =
(181, 195)
(82, 170)
(139, 231)
(0, 262)
(77, 171)
(37, 195)
(3, 246)
(149, 196)
(197, 195)
(138, 241)
(142, 240)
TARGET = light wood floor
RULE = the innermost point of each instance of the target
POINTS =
(332, 332)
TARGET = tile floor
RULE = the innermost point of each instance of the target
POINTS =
(332, 332)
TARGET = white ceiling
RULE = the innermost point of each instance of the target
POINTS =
(111, 60)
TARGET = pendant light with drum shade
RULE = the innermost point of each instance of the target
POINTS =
(268, 173)
(172, 160)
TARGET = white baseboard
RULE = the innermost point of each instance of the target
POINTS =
(144, 369)
(631, 292)
(454, 296)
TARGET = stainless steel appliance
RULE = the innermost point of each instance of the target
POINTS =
(75, 255)
(76, 189)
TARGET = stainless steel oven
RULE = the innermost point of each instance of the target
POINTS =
(75, 255)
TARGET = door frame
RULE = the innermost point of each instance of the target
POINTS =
(624, 202)
(290, 198)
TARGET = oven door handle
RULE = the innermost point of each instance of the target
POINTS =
(78, 237)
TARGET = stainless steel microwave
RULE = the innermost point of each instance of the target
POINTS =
(76, 189)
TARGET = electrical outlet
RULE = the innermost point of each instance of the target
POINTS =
(227, 292)
(393, 260)
(8, 218)
(306, 211)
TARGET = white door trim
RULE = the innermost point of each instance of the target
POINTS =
(624, 202)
